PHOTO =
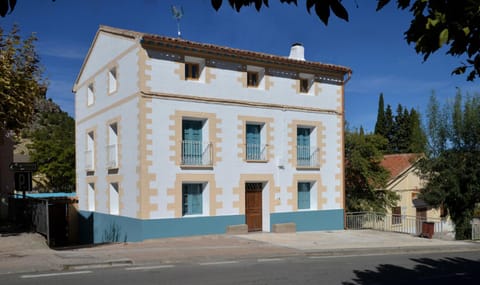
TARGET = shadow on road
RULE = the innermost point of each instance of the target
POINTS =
(426, 271)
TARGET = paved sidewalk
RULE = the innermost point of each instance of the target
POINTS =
(29, 253)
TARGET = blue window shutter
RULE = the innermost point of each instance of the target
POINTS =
(192, 142)
(192, 130)
(185, 207)
(303, 145)
(192, 199)
(253, 142)
(304, 195)
(253, 134)
(303, 137)
(197, 205)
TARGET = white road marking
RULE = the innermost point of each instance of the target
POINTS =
(345, 256)
(270, 259)
(219, 262)
(54, 274)
(150, 267)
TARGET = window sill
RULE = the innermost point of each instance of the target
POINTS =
(256, 161)
(193, 216)
(308, 167)
(188, 166)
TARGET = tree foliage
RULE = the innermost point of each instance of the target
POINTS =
(7, 5)
(364, 176)
(53, 148)
(403, 131)
(20, 80)
(435, 23)
(452, 166)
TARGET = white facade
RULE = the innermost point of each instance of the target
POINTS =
(131, 132)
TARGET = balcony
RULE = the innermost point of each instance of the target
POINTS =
(112, 156)
(196, 153)
(307, 157)
(256, 152)
(89, 160)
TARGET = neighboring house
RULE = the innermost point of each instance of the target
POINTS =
(175, 137)
(405, 181)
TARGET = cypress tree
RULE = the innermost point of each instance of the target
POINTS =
(389, 129)
(380, 125)
(402, 130)
(418, 138)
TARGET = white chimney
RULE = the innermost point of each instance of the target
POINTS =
(297, 51)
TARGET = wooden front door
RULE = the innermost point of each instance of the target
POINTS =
(253, 206)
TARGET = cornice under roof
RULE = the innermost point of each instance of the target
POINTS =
(220, 52)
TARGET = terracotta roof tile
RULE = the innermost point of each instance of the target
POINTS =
(398, 163)
(329, 72)
(233, 51)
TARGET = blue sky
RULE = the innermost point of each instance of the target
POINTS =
(372, 44)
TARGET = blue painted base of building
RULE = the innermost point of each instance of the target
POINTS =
(323, 220)
(97, 228)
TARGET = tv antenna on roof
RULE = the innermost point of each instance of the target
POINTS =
(177, 13)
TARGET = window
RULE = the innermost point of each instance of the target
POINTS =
(304, 85)
(114, 199)
(252, 79)
(254, 149)
(303, 195)
(192, 199)
(192, 70)
(193, 152)
(90, 95)
(90, 152)
(91, 196)
(112, 80)
(304, 151)
(112, 147)
(396, 215)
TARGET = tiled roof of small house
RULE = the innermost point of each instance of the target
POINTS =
(396, 164)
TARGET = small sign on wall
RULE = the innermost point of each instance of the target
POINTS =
(23, 181)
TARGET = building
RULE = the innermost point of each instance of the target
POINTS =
(175, 137)
(7, 186)
(405, 181)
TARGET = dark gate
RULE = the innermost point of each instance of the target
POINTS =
(52, 217)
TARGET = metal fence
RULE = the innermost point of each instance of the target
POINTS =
(391, 223)
(196, 153)
(112, 156)
(307, 156)
(256, 152)
(475, 231)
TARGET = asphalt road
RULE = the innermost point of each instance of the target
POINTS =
(446, 268)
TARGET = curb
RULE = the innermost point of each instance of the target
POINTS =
(391, 250)
(100, 264)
